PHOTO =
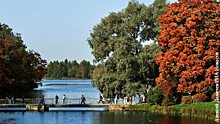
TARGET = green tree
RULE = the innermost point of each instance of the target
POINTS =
(117, 42)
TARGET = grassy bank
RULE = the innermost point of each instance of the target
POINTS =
(206, 110)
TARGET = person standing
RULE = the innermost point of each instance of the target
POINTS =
(139, 98)
(144, 98)
(112, 99)
(83, 99)
(64, 97)
(6, 100)
(116, 98)
(12, 100)
(9, 99)
(131, 101)
(56, 97)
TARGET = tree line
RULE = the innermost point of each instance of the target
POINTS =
(19, 69)
(180, 61)
(69, 69)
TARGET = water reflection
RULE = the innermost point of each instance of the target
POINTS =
(101, 117)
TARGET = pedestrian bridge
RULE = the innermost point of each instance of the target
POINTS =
(33, 104)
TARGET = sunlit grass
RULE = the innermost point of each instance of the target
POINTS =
(205, 106)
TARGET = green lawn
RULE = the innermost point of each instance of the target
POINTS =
(205, 106)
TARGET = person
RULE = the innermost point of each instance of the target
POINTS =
(83, 99)
(6, 100)
(100, 99)
(131, 101)
(12, 100)
(103, 100)
(139, 98)
(109, 99)
(42, 99)
(116, 98)
(64, 97)
(56, 97)
(9, 99)
(144, 99)
(127, 99)
(112, 99)
(22, 99)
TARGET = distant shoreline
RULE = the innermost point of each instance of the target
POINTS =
(66, 78)
(65, 84)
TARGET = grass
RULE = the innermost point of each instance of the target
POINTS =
(205, 110)
(210, 106)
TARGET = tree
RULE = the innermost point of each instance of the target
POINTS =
(20, 69)
(117, 42)
(192, 28)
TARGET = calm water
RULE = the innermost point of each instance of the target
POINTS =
(86, 115)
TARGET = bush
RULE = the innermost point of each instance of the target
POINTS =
(214, 95)
(186, 111)
(172, 110)
(199, 98)
(155, 96)
(186, 100)
(167, 102)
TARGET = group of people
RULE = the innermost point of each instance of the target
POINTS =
(10, 100)
(64, 99)
(132, 99)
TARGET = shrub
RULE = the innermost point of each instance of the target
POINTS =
(186, 111)
(186, 100)
(194, 112)
(214, 95)
(172, 110)
(199, 98)
(155, 96)
(167, 102)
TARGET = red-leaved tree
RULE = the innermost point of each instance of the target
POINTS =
(4, 61)
(193, 29)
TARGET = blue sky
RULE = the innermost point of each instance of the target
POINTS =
(58, 29)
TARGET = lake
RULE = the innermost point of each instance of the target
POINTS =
(85, 115)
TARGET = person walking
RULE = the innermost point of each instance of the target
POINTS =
(100, 99)
(83, 99)
(41, 99)
(56, 97)
(22, 99)
(64, 97)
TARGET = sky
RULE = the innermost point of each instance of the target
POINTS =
(58, 29)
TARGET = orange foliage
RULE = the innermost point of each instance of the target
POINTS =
(194, 33)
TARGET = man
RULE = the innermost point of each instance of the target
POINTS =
(100, 99)
(83, 99)
(56, 97)
(64, 97)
